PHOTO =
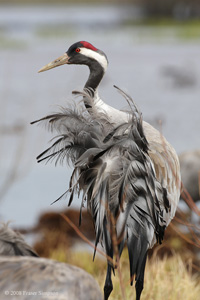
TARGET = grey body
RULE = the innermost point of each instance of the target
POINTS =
(12, 243)
(125, 170)
(114, 172)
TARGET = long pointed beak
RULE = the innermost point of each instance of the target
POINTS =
(56, 63)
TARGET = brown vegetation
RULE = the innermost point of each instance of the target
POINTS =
(56, 233)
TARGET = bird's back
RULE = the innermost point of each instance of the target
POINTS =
(126, 172)
(163, 156)
(12, 243)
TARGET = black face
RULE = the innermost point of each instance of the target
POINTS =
(74, 56)
(72, 48)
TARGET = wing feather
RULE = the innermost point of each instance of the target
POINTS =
(116, 175)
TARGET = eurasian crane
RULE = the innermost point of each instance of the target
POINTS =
(128, 173)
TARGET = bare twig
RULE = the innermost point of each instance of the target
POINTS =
(188, 199)
(116, 253)
(183, 236)
(83, 237)
(115, 247)
(13, 173)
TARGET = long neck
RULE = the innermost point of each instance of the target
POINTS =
(94, 103)
(95, 77)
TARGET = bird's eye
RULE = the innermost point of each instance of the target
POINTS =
(78, 50)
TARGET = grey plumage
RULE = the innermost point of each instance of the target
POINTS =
(127, 172)
(12, 243)
(113, 171)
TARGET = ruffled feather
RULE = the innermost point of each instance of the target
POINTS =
(115, 176)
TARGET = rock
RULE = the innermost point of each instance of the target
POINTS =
(30, 278)
(190, 170)
(26, 277)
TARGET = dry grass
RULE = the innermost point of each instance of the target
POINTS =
(165, 279)
(169, 272)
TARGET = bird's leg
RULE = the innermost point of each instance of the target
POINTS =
(140, 280)
(108, 287)
(139, 288)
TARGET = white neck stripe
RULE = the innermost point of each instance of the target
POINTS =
(95, 55)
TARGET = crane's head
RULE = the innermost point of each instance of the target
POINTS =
(80, 53)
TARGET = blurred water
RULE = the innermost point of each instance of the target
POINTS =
(158, 68)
